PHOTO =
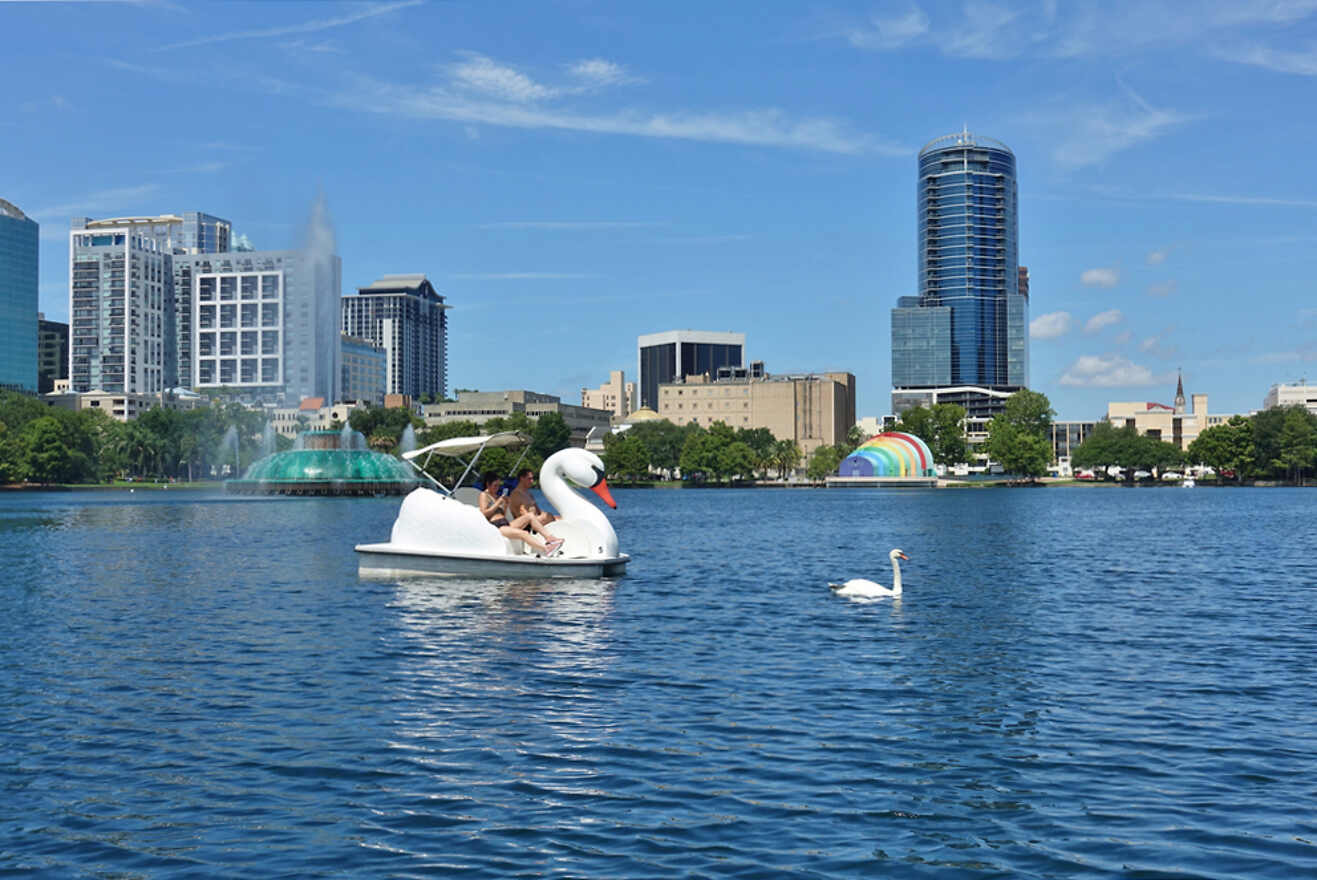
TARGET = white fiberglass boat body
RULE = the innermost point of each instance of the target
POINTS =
(441, 531)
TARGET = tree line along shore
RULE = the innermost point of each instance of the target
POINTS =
(42, 445)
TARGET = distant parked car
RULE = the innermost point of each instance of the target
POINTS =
(1172, 475)
(1083, 475)
(1142, 475)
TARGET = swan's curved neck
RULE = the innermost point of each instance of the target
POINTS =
(896, 576)
(568, 503)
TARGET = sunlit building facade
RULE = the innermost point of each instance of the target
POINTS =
(19, 239)
(968, 325)
(408, 318)
(675, 354)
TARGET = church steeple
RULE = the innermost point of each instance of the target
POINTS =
(1179, 393)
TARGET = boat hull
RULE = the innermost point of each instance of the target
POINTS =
(388, 560)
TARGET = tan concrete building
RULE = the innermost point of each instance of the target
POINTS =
(1173, 423)
(312, 414)
(1298, 394)
(813, 409)
(481, 406)
(120, 406)
(617, 395)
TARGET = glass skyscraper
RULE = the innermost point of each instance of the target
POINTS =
(968, 326)
(18, 299)
(675, 354)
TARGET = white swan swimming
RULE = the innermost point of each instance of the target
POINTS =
(859, 588)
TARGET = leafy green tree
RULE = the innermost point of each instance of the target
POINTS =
(625, 457)
(47, 458)
(384, 422)
(1297, 444)
(760, 441)
(737, 459)
(664, 441)
(699, 456)
(11, 464)
(942, 427)
(825, 461)
(1226, 447)
(1018, 436)
(550, 434)
(1100, 450)
(855, 436)
(786, 457)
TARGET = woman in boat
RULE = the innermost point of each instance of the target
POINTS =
(493, 506)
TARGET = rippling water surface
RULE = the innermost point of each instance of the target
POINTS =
(1076, 683)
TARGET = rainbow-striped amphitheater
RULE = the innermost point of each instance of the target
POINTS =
(891, 454)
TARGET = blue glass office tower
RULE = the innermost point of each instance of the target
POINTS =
(18, 299)
(968, 326)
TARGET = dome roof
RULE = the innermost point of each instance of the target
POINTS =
(644, 414)
(326, 471)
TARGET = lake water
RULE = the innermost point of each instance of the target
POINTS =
(1076, 683)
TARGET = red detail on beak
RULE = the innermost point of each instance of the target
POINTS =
(601, 489)
(906, 558)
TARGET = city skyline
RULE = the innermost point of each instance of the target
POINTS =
(578, 177)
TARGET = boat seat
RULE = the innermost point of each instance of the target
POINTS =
(469, 495)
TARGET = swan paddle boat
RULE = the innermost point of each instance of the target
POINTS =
(442, 531)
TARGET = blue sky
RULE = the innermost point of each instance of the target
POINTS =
(572, 175)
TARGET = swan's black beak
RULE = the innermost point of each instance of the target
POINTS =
(600, 488)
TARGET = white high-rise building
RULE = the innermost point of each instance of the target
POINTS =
(124, 317)
(120, 286)
(262, 322)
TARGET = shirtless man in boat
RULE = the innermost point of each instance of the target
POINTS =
(494, 507)
(521, 502)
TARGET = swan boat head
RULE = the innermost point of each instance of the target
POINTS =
(585, 530)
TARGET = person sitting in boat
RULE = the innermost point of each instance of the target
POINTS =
(522, 503)
(494, 507)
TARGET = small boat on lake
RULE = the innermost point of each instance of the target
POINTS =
(442, 531)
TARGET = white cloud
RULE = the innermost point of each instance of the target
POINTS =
(120, 201)
(599, 72)
(890, 33)
(1101, 277)
(981, 32)
(1156, 258)
(1265, 201)
(769, 128)
(308, 27)
(1302, 63)
(1102, 320)
(522, 276)
(1108, 371)
(1050, 326)
(485, 76)
(1123, 337)
(1163, 288)
(482, 75)
(571, 224)
(1097, 132)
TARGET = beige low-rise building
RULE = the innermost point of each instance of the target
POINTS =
(1173, 423)
(1297, 394)
(120, 406)
(812, 409)
(481, 406)
(312, 414)
(617, 395)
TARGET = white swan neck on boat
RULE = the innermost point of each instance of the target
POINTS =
(584, 528)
